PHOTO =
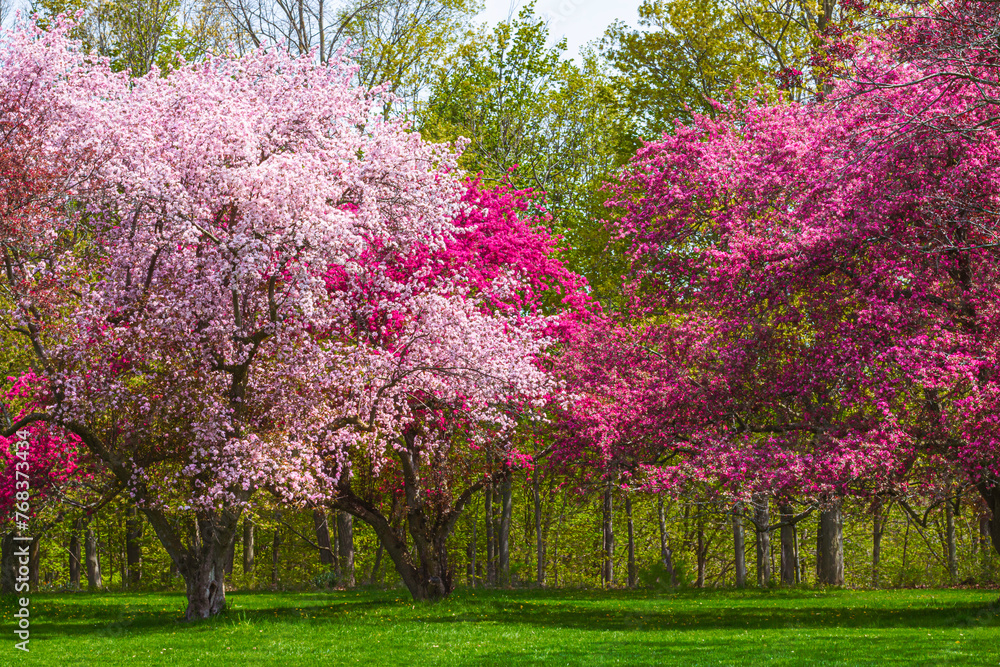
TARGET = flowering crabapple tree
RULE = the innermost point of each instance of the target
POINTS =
(457, 429)
(193, 344)
(836, 262)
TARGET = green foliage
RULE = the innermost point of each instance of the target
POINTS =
(538, 120)
(684, 54)
(688, 55)
(326, 580)
(655, 576)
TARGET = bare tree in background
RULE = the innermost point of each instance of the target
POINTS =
(397, 41)
(137, 34)
(131, 31)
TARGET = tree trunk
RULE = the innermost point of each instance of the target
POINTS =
(608, 571)
(878, 529)
(133, 548)
(789, 564)
(8, 563)
(338, 573)
(74, 555)
(819, 549)
(322, 536)
(555, 543)
(206, 586)
(952, 550)
(94, 581)
(231, 555)
(34, 561)
(275, 557)
(345, 542)
(424, 569)
(491, 578)
(503, 542)
(473, 548)
(984, 540)
(666, 555)
(376, 564)
(991, 494)
(539, 537)
(798, 560)
(762, 519)
(248, 554)
(202, 562)
(430, 578)
(702, 554)
(831, 542)
(631, 543)
(739, 546)
(470, 565)
(906, 543)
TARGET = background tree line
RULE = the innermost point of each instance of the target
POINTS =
(559, 537)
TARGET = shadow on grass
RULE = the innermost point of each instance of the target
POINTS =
(112, 615)
(742, 618)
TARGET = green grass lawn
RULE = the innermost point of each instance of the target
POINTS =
(474, 627)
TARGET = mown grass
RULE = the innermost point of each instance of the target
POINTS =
(475, 627)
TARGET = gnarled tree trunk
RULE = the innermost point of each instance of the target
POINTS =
(428, 577)
(426, 571)
(202, 562)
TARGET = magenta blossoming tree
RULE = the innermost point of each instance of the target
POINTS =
(829, 272)
(49, 462)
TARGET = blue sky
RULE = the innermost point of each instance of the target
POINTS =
(579, 21)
